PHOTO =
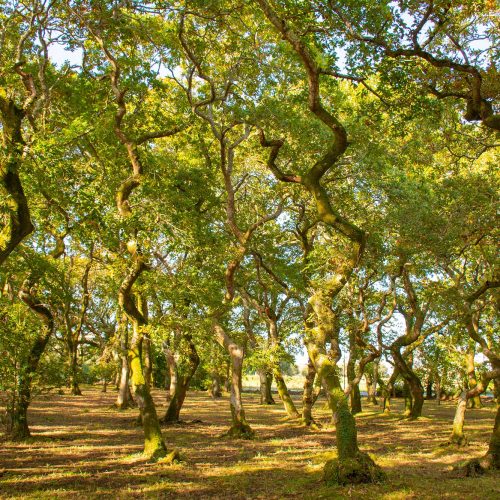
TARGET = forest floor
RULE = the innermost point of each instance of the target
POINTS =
(82, 448)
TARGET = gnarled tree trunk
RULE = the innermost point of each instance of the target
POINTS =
(239, 426)
(414, 384)
(154, 446)
(18, 425)
(183, 379)
(11, 190)
(265, 382)
(474, 402)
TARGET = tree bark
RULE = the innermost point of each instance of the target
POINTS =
(428, 388)
(457, 435)
(148, 362)
(284, 395)
(73, 369)
(474, 402)
(19, 429)
(355, 395)
(372, 388)
(124, 398)
(265, 382)
(154, 446)
(183, 379)
(239, 426)
(215, 387)
(388, 390)
(414, 384)
(19, 224)
(307, 395)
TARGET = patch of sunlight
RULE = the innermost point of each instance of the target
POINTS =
(398, 495)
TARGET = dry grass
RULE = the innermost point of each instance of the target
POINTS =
(82, 448)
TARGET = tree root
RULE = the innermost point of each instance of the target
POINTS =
(458, 441)
(171, 458)
(479, 466)
(356, 470)
(241, 431)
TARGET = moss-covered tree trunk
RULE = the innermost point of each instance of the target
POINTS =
(19, 429)
(18, 423)
(14, 201)
(457, 435)
(355, 394)
(474, 402)
(307, 394)
(284, 395)
(148, 362)
(352, 465)
(154, 446)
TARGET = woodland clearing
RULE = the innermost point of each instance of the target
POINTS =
(84, 448)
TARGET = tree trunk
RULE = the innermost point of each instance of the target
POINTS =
(154, 446)
(428, 389)
(73, 368)
(172, 370)
(124, 398)
(285, 397)
(148, 362)
(457, 435)
(19, 429)
(408, 400)
(474, 402)
(239, 426)
(415, 386)
(307, 395)
(438, 390)
(19, 419)
(493, 455)
(265, 379)
(14, 200)
(372, 393)
(492, 458)
(355, 395)
(352, 465)
(215, 388)
(387, 391)
(174, 408)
